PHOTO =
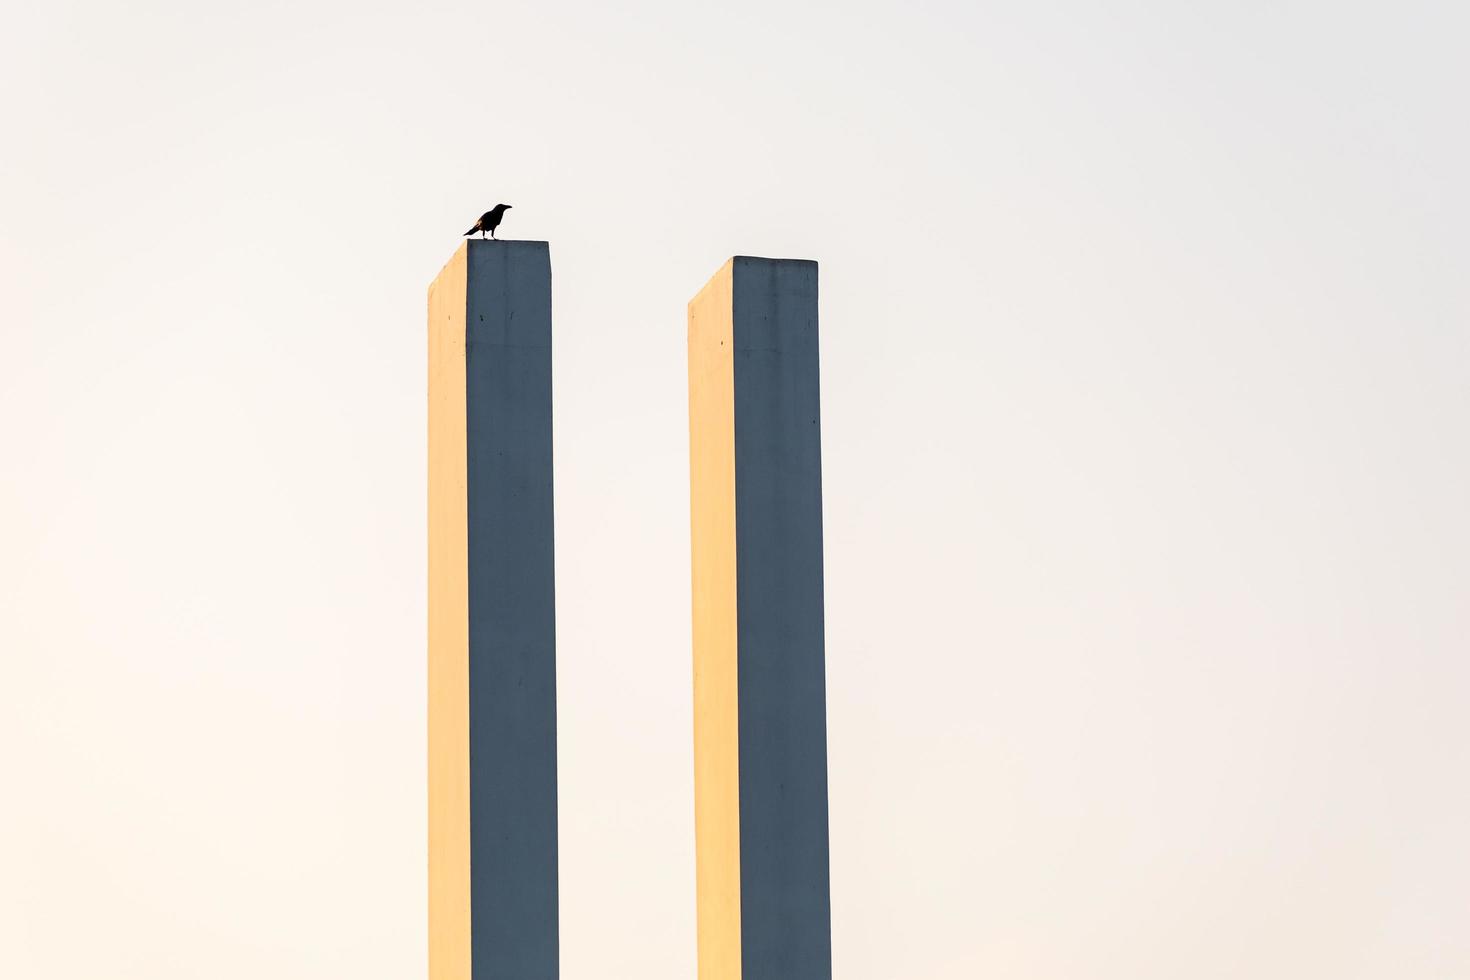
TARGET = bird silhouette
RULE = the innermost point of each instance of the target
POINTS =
(489, 221)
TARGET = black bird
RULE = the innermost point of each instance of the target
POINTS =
(489, 221)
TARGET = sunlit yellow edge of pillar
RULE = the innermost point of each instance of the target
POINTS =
(449, 635)
(712, 539)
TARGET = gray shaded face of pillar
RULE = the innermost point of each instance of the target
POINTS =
(785, 907)
(513, 870)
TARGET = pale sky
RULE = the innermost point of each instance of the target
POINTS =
(1146, 402)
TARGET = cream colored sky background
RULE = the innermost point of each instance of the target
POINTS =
(1146, 354)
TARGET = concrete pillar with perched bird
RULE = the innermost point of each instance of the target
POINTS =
(493, 894)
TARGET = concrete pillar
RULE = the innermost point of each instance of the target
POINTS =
(492, 618)
(760, 728)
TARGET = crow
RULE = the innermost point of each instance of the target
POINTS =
(489, 221)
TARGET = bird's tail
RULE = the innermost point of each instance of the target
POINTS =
(472, 230)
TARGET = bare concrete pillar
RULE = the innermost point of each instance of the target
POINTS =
(760, 728)
(492, 618)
